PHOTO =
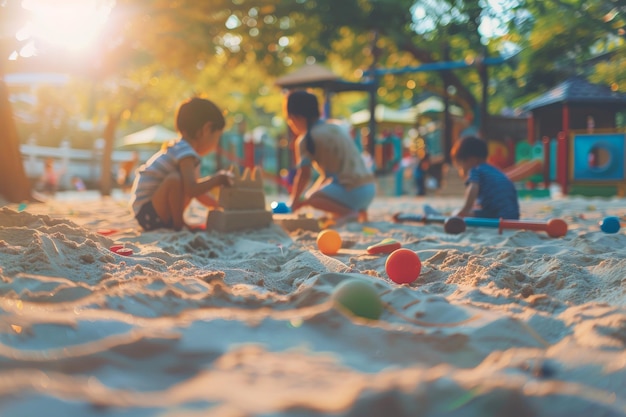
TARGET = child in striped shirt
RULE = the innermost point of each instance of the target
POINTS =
(166, 183)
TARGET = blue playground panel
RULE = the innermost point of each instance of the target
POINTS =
(614, 168)
(358, 141)
(433, 143)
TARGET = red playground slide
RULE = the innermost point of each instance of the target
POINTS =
(524, 169)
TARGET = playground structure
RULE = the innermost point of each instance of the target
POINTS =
(581, 149)
(572, 140)
(590, 164)
(526, 165)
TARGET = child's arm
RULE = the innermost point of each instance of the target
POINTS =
(193, 186)
(300, 181)
(321, 180)
(471, 194)
(207, 200)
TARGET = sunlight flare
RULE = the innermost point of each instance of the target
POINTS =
(70, 24)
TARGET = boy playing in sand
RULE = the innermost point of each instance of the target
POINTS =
(345, 187)
(165, 184)
(489, 193)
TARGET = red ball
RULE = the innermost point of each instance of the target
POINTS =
(403, 266)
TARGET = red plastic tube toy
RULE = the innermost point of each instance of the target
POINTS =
(553, 227)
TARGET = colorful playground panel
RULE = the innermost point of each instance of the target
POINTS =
(598, 157)
(596, 163)
(524, 151)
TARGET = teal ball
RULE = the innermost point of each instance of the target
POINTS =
(278, 207)
(610, 224)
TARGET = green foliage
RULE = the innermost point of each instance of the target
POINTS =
(559, 39)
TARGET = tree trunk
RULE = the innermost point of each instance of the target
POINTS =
(14, 184)
(484, 105)
(108, 135)
(373, 93)
(447, 120)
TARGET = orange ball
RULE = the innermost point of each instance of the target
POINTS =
(403, 266)
(329, 242)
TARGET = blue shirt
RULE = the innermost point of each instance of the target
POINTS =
(160, 165)
(497, 196)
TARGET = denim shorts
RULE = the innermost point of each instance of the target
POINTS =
(149, 219)
(357, 199)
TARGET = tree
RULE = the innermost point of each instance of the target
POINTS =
(14, 184)
(558, 39)
(151, 41)
(413, 27)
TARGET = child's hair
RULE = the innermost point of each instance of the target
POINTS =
(469, 147)
(302, 103)
(194, 113)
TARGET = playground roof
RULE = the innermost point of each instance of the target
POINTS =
(318, 76)
(150, 137)
(434, 104)
(385, 115)
(577, 90)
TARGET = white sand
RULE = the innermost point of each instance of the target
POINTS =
(241, 324)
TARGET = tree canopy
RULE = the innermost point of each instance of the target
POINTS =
(558, 39)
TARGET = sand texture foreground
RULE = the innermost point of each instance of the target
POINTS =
(242, 324)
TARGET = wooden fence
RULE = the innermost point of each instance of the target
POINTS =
(85, 164)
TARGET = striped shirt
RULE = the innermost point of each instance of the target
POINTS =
(153, 172)
(497, 196)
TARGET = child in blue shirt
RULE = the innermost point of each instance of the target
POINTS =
(489, 192)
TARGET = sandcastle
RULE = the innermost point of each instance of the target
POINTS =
(242, 206)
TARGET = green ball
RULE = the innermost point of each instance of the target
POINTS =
(358, 297)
